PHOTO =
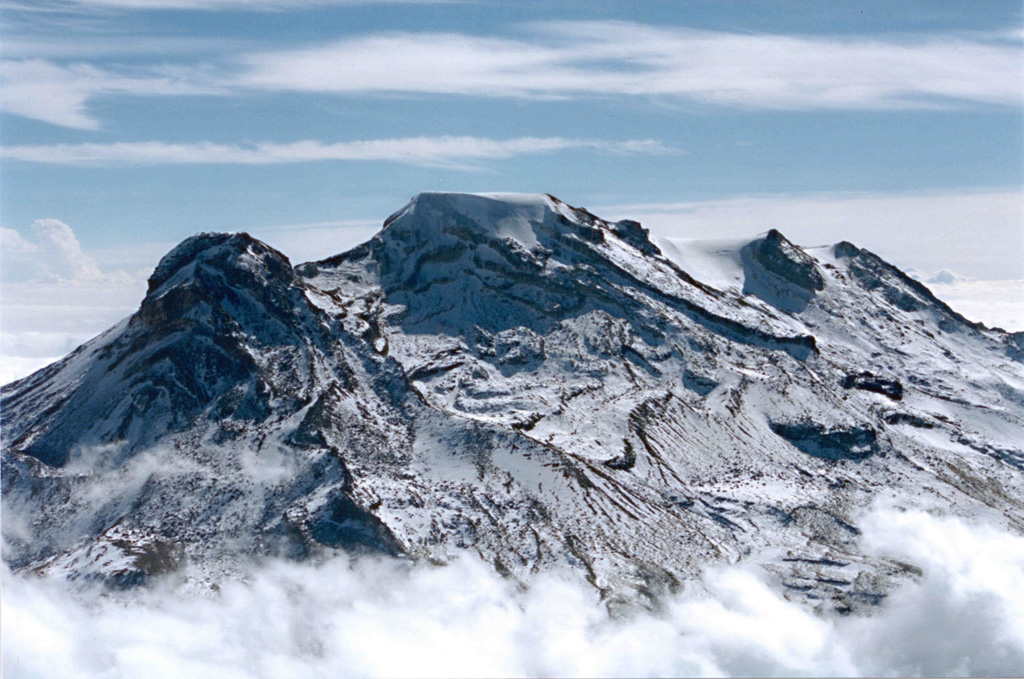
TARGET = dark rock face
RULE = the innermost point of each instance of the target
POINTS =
(341, 524)
(213, 270)
(908, 418)
(781, 274)
(783, 259)
(1015, 346)
(636, 235)
(625, 461)
(900, 290)
(867, 381)
(830, 443)
(215, 303)
(224, 252)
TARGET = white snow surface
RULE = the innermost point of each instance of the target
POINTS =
(715, 262)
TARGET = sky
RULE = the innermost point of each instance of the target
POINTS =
(128, 125)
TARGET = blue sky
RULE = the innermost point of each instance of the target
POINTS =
(128, 125)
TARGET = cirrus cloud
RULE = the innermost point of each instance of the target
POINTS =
(575, 58)
(445, 151)
(562, 60)
(58, 94)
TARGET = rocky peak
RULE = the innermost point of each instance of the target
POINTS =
(223, 251)
(214, 268)
(528, 220)
(874, 274)
(498, 260)
(782, 258)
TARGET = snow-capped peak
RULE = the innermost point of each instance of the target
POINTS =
(223, 251)
(527, 220)
(511, 375)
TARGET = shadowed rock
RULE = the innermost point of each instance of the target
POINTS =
(867, 381)
(830, 443)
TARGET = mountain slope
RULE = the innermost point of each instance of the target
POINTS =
(515, 376)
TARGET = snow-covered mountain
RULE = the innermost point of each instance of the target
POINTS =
(513, 376)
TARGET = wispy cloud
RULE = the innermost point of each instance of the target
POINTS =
(564, 60)
(54, 93)
(567, 59)
(200, 5)
(431, 151)
(105, 46)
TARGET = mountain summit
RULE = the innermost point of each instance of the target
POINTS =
(517, 377)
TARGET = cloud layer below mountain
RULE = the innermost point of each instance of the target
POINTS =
(377, 618)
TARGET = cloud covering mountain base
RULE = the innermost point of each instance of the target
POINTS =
(963, 616)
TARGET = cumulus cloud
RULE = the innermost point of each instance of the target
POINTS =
(445, 151)
(52, 252)
(55, 296)
(386, 618)
(966, 617)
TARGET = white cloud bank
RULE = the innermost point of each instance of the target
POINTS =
(972, 232)
(375, 618)
(565, 60)
(447, 151)
(998, 303)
